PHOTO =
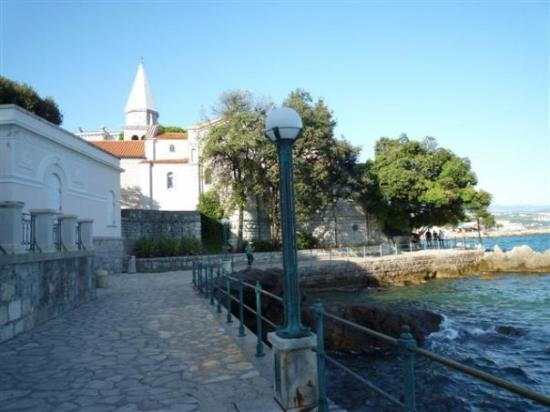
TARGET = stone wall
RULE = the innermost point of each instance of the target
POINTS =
(399, 269)
(109, 254)
(37, 287)
(345, 225)
(142, 223)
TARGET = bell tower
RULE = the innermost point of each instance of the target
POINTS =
(141, 112)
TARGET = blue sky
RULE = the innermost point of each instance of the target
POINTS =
(475, 75)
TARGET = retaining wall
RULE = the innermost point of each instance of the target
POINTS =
(109, 254)
(400, 269)
(37, 287)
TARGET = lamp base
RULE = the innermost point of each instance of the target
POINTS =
(296, 386)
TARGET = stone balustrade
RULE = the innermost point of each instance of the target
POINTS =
(38, 235)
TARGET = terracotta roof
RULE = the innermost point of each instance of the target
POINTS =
(123, 149)
(167, 161)
(182, 136)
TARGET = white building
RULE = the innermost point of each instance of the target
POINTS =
(47, 167)
(160, 170)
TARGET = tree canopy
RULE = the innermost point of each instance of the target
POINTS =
(27, 98)
(171, 129)
(409, 185)
(413, 185)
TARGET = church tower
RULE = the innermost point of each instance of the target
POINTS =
(141, 112)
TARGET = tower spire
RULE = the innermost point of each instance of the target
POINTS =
(141, 111)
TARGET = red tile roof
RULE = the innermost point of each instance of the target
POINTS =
(182, 136)
(123, 149)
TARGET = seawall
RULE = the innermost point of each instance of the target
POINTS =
(400, 269)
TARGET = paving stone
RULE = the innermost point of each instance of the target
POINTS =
(149, 342)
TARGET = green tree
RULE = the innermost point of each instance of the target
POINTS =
(170, 129)
(234, 148)
(26, 97)
(211, 211)
(420, 185)
(325, 167)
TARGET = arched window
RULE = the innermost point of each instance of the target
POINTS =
(193, 155)
(111, 218)
(172, 148)
(134, 137)
(170, 180)
(54, 192)
(143, 137)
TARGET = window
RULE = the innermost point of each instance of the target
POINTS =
(193, 155)
(54, 192)
(111, 218)
(172, 148)
(134, 137)
(143, 137)
(170, 180)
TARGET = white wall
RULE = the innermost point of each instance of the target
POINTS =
(32, 149)
(185, 193)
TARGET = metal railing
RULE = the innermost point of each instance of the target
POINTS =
(78, 236)
(211, 280)
(57, 237)
(28, 238)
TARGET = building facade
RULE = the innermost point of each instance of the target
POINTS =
(47, 167)
(160, 170)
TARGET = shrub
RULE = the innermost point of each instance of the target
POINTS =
(190, 246)
(306, 240)
(261, 245)
(144, 248)
(165, 247)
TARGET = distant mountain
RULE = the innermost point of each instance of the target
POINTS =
(519, 208)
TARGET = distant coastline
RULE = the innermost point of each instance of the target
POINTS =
(497, 233)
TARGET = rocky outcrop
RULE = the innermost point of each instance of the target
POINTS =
(379, 317)
(519, 259)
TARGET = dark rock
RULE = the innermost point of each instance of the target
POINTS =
(509, 330)
(379, 317)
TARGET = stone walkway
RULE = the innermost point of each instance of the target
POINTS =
(147, 343)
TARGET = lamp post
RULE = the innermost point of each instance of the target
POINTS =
(283, 127)
(225, 226)
(226, 261)
(294, 360)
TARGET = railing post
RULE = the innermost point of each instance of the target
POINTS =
(11, 235)
(200, 276)
(364, 252)
(241, 308)
(207, 282)
(259, 343)
(407, 344)
(212, 285)
(380, 249)
(228, 286)
(219, 294)
(194, 269)
(318, 313)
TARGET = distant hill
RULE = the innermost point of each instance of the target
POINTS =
(519, 208)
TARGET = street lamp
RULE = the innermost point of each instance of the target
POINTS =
(283, 127)
(225, 226)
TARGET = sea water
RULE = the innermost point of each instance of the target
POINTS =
(499, 323)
